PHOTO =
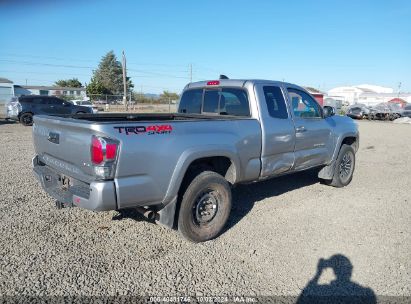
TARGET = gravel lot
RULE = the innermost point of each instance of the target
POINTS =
(278, 231)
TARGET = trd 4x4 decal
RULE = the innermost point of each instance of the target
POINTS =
(149, 130)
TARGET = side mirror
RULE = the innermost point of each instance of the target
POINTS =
(328, 111)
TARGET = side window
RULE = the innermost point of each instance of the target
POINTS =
(190, 102)
(234, 102)
(55, 101)
(211, 100)
(275, 102)
(304, 105)
(36, 101)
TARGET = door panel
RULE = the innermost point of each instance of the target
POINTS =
(277, 155)
(313, 134)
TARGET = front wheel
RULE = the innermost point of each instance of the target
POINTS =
(344, 167)
(26, 119)
(205, 207)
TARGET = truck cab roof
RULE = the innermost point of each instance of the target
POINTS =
(238, 83)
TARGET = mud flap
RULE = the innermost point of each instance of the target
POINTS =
(327, 172)
(167, 214)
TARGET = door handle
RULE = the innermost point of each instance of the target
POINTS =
(300, 129)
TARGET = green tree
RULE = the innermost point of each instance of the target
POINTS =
(110, 74)
(96, 87)
(72, 83)
(167, 96)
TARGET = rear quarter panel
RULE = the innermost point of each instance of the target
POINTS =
(151, 166)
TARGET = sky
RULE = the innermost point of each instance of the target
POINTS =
(322, 44)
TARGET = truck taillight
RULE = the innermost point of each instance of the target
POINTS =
(111, 151)
(103, 156)
(97, 156)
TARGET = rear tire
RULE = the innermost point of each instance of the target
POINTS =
(26, 119)
(344, 167)
(205, 207)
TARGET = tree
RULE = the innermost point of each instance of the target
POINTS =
(96, 87)
(110, 75)
(71, 83)
(167, 96)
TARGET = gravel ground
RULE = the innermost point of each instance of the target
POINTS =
(278, 232)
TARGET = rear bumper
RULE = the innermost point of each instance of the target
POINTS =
(96, 196)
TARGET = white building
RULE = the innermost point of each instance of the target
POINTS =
(364, 93)
(6, 90)
(79, 93)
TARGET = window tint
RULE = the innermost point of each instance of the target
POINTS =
(234, 102)
(304, 105)
(211, 99)
(275, 102)
(223, 101)
(190, 102)
(37, 101)
(54, 101)
(31, 100)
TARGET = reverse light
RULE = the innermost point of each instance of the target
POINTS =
(213, 83)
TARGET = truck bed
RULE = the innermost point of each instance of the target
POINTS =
(122, 117)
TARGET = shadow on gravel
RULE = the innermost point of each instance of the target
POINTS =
(245, 196)
(130, 214)
(7, 122)
(341, 290)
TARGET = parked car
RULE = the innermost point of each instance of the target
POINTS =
(406, 112)
(385, 111)
(25, 107)
(178, 169)
(358, 111)
(86, 103)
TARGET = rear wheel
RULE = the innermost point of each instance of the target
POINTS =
(26, 119)
(344, 167)
(205, 207)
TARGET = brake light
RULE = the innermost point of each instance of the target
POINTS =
(103, 155)
(102, 150)
(97, 156)
(111, 150)
(213, 83)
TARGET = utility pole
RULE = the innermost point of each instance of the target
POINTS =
(399, 89)
(191, 72)
(125, 81)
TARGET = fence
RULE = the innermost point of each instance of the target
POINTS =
(137, 103)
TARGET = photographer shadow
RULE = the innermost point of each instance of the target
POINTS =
(341, 290)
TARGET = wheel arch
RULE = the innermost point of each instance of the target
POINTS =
(351, 139)
(221, 160)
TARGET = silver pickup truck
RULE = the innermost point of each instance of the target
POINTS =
(178, 169)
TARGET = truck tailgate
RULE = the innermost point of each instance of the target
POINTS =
(62, 144)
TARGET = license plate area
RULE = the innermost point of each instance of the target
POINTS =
(64, 182)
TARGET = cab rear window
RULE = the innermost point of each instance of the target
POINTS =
(223, 101)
